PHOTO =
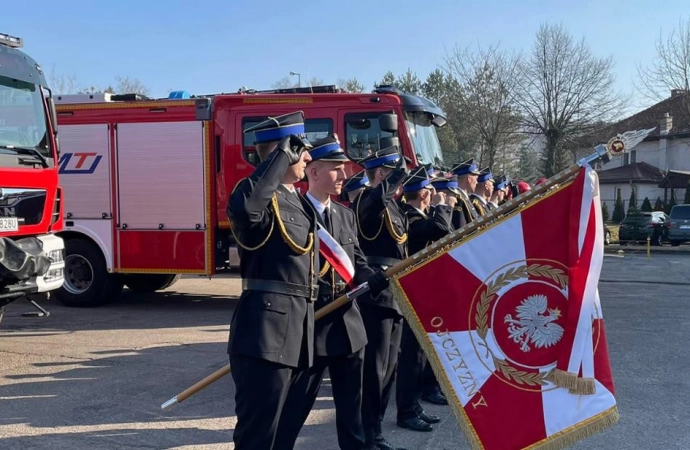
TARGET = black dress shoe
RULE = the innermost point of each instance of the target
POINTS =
(382, 444)
(428, 418)
(435, 398)
(415, 424)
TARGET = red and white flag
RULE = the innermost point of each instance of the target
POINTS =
(511, 322)
(335, 255)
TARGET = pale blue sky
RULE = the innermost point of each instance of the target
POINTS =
(219, 46)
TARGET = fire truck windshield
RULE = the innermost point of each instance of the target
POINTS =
(23, 119)
(424, 138)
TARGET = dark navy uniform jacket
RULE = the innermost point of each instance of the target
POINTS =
(382, 228)
(342, 331)
(278, 247)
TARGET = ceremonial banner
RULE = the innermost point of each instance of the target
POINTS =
(335, 255)
(511, 322)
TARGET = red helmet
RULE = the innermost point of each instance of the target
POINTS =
(523, 187)
(540, 181)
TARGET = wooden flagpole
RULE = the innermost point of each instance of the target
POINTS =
(421, 256)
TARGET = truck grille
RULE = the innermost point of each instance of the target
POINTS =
(26, 205)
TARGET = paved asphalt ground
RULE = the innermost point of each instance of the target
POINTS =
(95, 378)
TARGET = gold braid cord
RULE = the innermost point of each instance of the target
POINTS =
(479, 207)
(361, 229)
(284, 234)
(324, 269)
(398, 238)
(262, 243)
(492, 289)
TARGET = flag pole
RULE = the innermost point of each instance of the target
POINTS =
(601, 152)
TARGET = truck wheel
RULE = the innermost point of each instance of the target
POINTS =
(144, 284)
(87, 281)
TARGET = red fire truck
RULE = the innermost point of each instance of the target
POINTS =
(147, 181)
(31, 255)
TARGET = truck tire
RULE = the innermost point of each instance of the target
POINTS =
(146, 283)
(87, 281)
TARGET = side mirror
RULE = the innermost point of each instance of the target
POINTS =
(388, 122)
(438, 121)
(389, 142)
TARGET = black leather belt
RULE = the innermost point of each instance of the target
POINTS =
(382, 261)
(280, 287)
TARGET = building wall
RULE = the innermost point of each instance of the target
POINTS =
(651, 191)
(666, 154)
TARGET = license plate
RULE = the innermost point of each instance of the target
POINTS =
(9, 224)
(685, 227)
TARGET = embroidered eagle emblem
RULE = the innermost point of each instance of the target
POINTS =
(532, 325)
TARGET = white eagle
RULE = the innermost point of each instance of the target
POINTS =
(532, 325)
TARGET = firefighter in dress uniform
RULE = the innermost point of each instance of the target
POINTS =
(382, 228)
(499, 194)
(467, 173)
(426, 225)
(353, 186)
(482, 192)
(271, 332)
(339, 337)
(449, 186)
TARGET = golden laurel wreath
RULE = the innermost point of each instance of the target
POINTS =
(492, 288)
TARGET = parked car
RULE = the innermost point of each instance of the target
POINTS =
(607, 235)
(638, 226)
(679, 231)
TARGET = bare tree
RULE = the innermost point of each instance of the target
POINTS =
(290, 83)
(565, 92)
(486, 96)
(62, 84)
(670, 71)
(127, 85)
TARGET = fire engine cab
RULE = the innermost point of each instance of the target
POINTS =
(146, 182)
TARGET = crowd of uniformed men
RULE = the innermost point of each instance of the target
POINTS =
(278, 353)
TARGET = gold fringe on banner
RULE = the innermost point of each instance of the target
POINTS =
(576, 433)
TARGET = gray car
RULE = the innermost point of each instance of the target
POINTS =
(679, 231)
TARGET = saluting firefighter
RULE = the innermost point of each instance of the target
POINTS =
(382, 228)
(353, 186)
(482, 192)
(499, 192)
(467, 173)
(339, 337)
(272, 329)
(449, 186)
(426, 225)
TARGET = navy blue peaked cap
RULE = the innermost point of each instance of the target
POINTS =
(328, 149)
(387, 157)
(466, 168)
(355, 182)
(443, 183)
(276, 128)
(417, 180)
(485, 175)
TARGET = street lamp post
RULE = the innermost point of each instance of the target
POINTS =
(299, 78)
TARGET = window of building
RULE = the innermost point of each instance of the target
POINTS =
(633, 156)
(626, 159)
(315, 129)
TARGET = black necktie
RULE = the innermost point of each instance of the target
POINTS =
(327, 219)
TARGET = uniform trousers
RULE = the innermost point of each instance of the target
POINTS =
(345, 372)
(430, 383)
(408, 386)
(384, 331)
(261, 388)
